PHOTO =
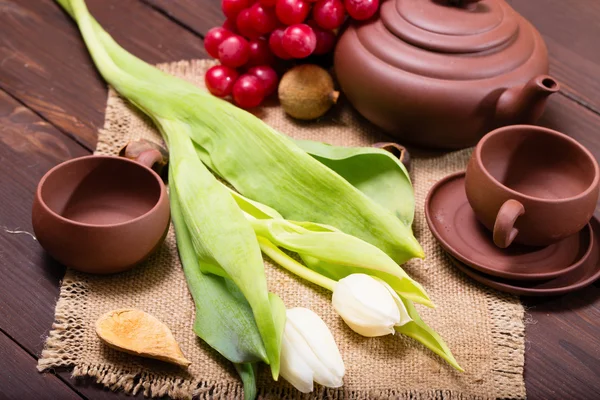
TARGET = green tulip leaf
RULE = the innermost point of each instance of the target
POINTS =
(420, 331)
(224, 318)
(339, 252)
(247, 373)
(217, 226)
(375, 172)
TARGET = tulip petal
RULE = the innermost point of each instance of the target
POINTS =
(302, 346)
(366, 305)
(293, 367)
(369, 296)
(367, 330)
(322, 353)
(404, 316)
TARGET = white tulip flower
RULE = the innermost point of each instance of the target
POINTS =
(309, 352)
(368, 305)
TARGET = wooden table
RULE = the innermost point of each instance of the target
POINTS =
(52, 103)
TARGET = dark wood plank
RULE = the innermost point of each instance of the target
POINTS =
(565, 115)
(28, 147)
(20, 380)
(30, 280)
(562, 360)
(197, 15)
(91, 390)
(43, 61)
(571, 31)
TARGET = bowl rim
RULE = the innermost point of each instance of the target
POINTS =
(593, 186)
(40, 199)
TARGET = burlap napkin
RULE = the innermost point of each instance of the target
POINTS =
(483, 328)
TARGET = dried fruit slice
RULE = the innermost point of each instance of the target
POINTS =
(136, 332)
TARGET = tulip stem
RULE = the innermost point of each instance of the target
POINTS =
(294, 266)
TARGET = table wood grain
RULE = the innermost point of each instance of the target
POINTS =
(19, 374)
(52, 104)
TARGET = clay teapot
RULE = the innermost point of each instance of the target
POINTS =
(442, 73)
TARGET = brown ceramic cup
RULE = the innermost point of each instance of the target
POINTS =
(101, 214)
(531, 185)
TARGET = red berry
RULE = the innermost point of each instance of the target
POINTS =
(248, 91)
(268, 3)
(263, 19)
(231, 8)
(219, 80)
(325, 38)
(244, 25)
(213, 39)
(329, 14)
(260, 54)
(292, 12)
(268, 78)
(299, 40)
(229, 24)
(276, 45)
(234, 51)
(361, 9)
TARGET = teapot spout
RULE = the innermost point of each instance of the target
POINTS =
(525, 104)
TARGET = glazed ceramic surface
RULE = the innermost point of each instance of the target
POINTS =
(100, 214)
(586, 274)
(440, 75)
(454, 225)
(553, 178)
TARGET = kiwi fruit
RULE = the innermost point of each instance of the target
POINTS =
(307, 92)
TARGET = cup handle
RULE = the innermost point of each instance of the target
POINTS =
(504, 227)
(397, 150)
(149, 157)
(147, 153)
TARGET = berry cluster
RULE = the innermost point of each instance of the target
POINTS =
(258, 32)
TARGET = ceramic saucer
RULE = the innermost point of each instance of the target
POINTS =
(580, 277)
(454, 225)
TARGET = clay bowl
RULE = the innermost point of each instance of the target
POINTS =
(100, 214)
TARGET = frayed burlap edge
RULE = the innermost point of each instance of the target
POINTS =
(510, 347)
(64, 329)
(508, 361)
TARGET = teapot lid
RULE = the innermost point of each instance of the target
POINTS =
(452, 26)
(450, 39)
